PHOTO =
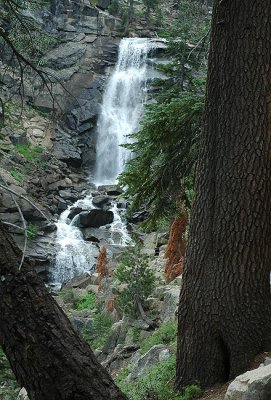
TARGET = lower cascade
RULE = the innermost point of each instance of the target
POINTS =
(122, 106)
(77, 245)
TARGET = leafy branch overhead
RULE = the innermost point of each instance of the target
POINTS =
(23, 44)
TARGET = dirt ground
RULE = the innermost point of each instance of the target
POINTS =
(218, 392)
(215, 393)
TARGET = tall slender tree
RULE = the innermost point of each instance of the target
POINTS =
(225, 308)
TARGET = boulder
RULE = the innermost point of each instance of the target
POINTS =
(170, 304)
(110, 190)
(252, 385)
(74, 211)
(148, 360)
(100, 201)
(81, 281)
(68, 152)
(67, 195)
(82, 324)
(117, 336)
(138, 216)
(95, 218)
(99, 235)
(22, 395)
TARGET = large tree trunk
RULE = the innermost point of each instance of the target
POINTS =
(46, 354)
(225, 309)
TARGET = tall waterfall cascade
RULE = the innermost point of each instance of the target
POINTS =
(122, 107)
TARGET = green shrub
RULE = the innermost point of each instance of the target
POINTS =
(114, 7)
(18, 176)
(31, 153)
(166, 334)
(86, 302)
(68, 296)
(32, 231)
(123, 373)
(102, 323)
(134, 271)
(9, 388)
(157, 383)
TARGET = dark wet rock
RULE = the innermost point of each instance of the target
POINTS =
(95, 218)
(67, 195)
(110, 190)
(122, 204)
(138, 217)
(101, 234)
(74, 211)
(100, 201)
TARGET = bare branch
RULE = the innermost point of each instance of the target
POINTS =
(24, 227)
(26, 199)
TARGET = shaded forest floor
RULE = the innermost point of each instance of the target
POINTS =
(216, 393)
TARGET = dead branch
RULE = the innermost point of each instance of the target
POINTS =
(24, 227)
(26, 199)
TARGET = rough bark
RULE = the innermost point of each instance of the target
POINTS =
(225, 309)
(46, 354)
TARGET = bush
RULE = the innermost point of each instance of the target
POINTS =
(68, 296)
(86, 302)
(8, 386)
(166, 334)
(17, 175)
(156, 384)
(31, 153)
(102, 323)
(134, 271)
(32, 231)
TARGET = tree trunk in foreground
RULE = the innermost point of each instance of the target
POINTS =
(225, 309)
(46, 354)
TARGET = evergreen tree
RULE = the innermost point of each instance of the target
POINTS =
(165, 148)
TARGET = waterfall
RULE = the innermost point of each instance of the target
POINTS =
(122, 107)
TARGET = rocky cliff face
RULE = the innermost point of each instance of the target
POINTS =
(63, 126)
(77, 66)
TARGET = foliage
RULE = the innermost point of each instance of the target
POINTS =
(134, 272)
(68, 297)
(150, 5)
(8, 386)
(31, 153)
(165, 334)
(32, 231)
(86, 302)
(23, 30)
(42, 42)
(176, 247)
(122, 374)
(18, 176)
(157, 384)
(165, 151)
(102, 323)
(114, 7)
(166, 147)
